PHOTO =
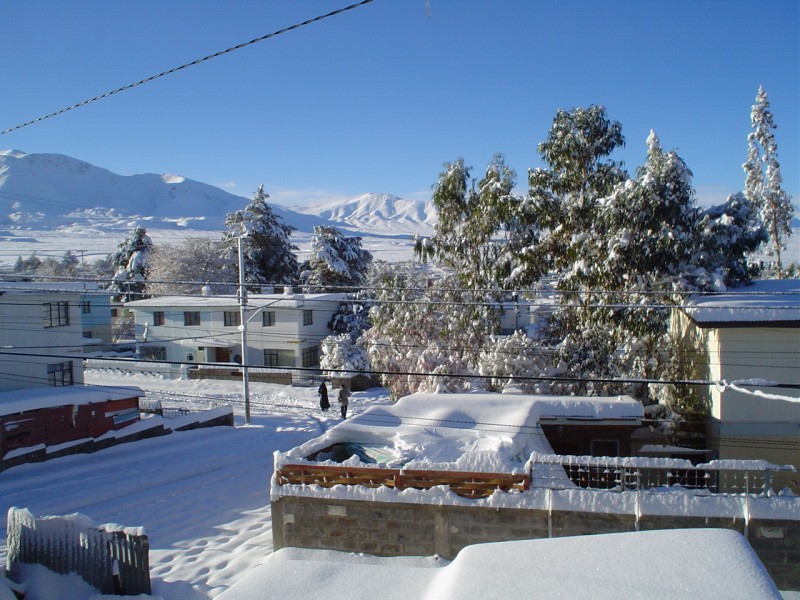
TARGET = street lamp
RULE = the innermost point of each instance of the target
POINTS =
(243, 329)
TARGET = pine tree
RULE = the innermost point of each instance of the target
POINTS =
(763, 178)
(731, 232)
(269, 255)
(336, 261)
(131, 265)
(70, 263)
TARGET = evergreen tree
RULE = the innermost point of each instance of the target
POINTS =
(731, 232)
(131, 265)
(70, 263)
(763, 178)
(19, 265)
(562, 200)
(336, 261)
(474, 232)
(269, 255)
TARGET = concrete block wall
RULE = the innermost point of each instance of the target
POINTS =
(394, 529)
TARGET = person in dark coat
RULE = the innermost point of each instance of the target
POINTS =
(323, 397)
(344, 395)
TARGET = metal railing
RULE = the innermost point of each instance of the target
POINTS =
(560, 472)
(112, 559)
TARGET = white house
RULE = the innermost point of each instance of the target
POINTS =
(41, 332)
(749, 340)
(94, 306)
(282, 330)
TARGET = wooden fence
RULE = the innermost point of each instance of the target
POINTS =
(466, 484)
(112, 559)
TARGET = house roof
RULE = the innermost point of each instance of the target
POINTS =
(482, 432)
(773, 301)
(254, 301)
(31, 399)
(691, 563)
(70, 287)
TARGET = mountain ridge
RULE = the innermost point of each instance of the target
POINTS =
(54, 191)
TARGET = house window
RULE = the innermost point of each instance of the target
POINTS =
(154, 353)
(311, 356)
(191, 318)
(56, 314)
(268, 318)
(87, 334)
(158, 317)
(114, 312)
(278, 358)
(60, 374)
(308, 317)
(270, 358)
(232, 318)
(86, 307)
(605, 447)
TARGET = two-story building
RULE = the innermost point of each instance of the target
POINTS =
(748, 340)
(94, 307)
(282, 330)
(41, 333)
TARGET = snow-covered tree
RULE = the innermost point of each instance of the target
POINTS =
(559, 212)
(188, 267)
(342, 356)
(269, 255)
(426, 334)
(763, 178)
(512, 359)
(731, 232)
(473, 234)
(336, 261)
(19, 265)
(131, 265)
(70, 263)
(641, 246)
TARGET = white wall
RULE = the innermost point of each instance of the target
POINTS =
(31, 345)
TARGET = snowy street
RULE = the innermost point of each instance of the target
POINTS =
(201, 496)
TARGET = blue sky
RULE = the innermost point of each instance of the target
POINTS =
(378, 98)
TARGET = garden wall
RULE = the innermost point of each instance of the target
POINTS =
(394, 529)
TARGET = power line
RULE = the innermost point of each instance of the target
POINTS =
(187, 65)
(442, 375)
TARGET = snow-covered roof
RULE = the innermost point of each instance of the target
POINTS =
(78, 287)
(483, 432)
(766, 301)
(690, 563)
(254, 301)
(23, 400)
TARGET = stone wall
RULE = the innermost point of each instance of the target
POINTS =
(393, 529)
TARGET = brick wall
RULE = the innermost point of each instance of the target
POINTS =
(389, 529)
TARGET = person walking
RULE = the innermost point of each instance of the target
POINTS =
(344, 395)
(324, 404)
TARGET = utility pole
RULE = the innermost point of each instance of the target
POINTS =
(243, 329)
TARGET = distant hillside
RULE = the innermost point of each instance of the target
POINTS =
(377, 213)
(45, 192)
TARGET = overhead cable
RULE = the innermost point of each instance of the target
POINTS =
(187, 65)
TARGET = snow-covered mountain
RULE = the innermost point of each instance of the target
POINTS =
(46, 192)
(377, 213)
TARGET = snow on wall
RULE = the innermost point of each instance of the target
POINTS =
(31, 399)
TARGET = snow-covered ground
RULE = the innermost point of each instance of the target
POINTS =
(202, 496)
(203, 499)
